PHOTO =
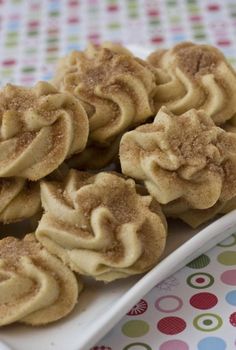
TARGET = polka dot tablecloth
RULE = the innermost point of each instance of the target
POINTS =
(196, 308)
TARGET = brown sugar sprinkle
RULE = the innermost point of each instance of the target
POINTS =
(17, 98)
(115, 252)
(23, 141)
(151, 128)
(195, 60)
(190, 142)
(102, 66)
(13, 249)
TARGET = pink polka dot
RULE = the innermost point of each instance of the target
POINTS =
(174, 345)
(171, 325)
(232, 319)
(168, 303)
(203, 301)
(229, 277)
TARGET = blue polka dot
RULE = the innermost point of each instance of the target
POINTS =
(211, 343)
(231, 297)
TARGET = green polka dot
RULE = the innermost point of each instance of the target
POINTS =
(11, 43)
(54, 14)
(202, 261)
(33, 33)
(135, 328)
(207, 322)
(28, 69)
(155, 21)
(229, 242)
(227, 258)
(12, 34)
(171, 3)
(206, 280)
(132, 5)
(200, 36)
(114, 25)
(137, 346)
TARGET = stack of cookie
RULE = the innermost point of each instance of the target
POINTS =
(166, 128)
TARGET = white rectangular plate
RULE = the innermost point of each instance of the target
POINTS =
(101, 305)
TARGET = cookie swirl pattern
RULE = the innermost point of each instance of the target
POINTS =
(40, 128)
(35, 287)
(195, 76)
(185, 161)
(100, 226)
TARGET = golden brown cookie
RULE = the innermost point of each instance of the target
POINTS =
(100, 226)
(19, 199)
(185, 161)
(40, 128)
(195, 76)
(115, 88)
(35, 286)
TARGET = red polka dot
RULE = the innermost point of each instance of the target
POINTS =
(139, 308)
(171, 325)
(153, 13)
(73, 20)
(200, 280)
(157, 39)
(112, 8)
(73, 3)
(9, 62)
(213, 7)
(203, 301)
(33, 24)
(232, 319)
(224, 42)
(195, 18)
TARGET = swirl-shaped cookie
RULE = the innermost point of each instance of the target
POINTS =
(183, 160)
(19, 199)
(195, 76)
(40, 128)
(100, 226)
(35, 287)
(115, 87)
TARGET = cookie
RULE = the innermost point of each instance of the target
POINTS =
(185, 161)
(115, 88)
(19, 199)
(40, 128)
(195, 76)
(100, 226)
(35, 286)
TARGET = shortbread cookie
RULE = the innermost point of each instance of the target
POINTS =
(183, 160)
(100, 226)
(35, 286)
(40, 128)
(115, 88)
(195, 76)
(19, 199)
